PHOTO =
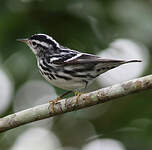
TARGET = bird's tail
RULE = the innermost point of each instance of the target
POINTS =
(130, 61)
(107, 64)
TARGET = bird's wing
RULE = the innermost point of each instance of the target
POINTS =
(83, 58)
(89, 58)
(73, 58)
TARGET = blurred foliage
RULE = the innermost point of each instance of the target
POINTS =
(89, 26)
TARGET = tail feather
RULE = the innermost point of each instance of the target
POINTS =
(130, 61)
(117, 61)
(108, 64)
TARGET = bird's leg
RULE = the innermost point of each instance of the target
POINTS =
(58, 99)
(78, 94)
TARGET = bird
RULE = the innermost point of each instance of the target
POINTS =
(66, 68)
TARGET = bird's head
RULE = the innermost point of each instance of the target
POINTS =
(41, 43)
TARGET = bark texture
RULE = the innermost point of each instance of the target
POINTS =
(66, 105)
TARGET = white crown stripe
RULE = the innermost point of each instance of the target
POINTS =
(50, 38)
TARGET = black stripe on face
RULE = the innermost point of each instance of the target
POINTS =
(42, 46)
(43, 38)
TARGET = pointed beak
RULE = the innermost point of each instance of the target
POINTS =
(23, 40)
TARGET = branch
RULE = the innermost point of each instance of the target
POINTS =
(66, 105)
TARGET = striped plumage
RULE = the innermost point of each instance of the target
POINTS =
(65, 68)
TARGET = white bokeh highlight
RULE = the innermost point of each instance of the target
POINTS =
(36, 139)
(124, 49)
(32, 93)
(104, 144)
(6, 90)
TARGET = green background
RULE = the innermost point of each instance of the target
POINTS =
(88, 26)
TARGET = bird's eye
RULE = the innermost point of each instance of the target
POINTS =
(33, 43)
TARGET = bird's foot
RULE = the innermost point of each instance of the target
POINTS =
(77, 94)
(53, 102)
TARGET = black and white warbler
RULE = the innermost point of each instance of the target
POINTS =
(65, 68)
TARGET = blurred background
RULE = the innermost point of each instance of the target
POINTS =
(112, 29)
